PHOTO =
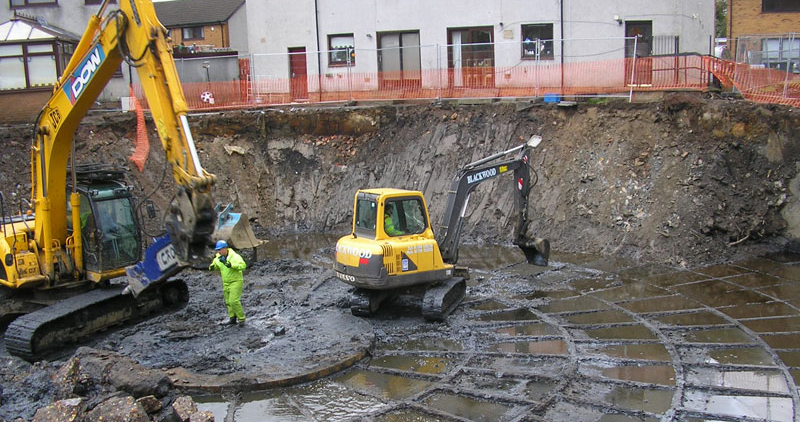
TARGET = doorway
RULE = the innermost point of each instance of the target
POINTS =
(638, 52)
(298, 78)
(470, 57)
(399, 60)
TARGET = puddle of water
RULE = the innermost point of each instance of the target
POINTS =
(214, 404)
(654, 401)
(637, 351)
(592, 284)
(423, 365)
(771, 381)
(603, 317)
(755, 280)
(770, 266)
(489, 305)
(741, 356)
(653, 374)
(759, 310)
(631, 291)
(625, 418)
(644, 271)
(790, 358)
(547, 294)
(406, 415)
(536, 329)
(771, 408)
(389, 386)
(271, 407)
(307, 247)
(583, 303)
(674, 278)
(773, 325)
(533, 390)
(489, 257)
(661, 304)
(514, 315)
(468, 407)
(783, 291)
(431, 344)
(708, 292)
(627, 332)
(695, 318)
(782, 341)
(722, 270)
(330, 401)
(546, 347)
(608, 264)
(718, 335)
(531, 365)
(796, 375)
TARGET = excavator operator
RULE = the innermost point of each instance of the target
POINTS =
(388, 223)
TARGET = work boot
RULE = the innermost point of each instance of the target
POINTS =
(240, 323)
(229, 321)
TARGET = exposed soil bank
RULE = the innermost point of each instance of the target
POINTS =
(684, 181)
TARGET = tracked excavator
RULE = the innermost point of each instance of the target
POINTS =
(399, 253)
(60, 255)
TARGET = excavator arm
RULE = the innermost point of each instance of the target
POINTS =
(537, 250)
(133, 34)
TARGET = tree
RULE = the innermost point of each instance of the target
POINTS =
(722, 19)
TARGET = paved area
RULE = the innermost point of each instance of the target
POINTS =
(587, 339)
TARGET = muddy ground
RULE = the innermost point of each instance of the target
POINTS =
(685, 181)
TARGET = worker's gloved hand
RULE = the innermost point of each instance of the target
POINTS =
(227, 264)
(222, 259)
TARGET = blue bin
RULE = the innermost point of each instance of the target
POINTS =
(552, 98)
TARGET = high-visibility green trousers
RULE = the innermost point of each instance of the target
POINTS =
(233, 298)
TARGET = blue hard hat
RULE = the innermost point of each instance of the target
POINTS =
(220, 245)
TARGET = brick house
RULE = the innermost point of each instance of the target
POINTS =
(765, 33)
(204, 25)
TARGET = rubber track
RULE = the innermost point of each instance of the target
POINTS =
(440, 300)
(70, 319)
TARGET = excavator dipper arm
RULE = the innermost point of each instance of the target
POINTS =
(470, 176)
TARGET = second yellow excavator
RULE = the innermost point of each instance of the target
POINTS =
(399, 252)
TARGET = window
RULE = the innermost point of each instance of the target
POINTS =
(28, 65)
(403, 217)
(399, 59)
(768, 6)
(192, 33)
(537, 41)
(341, 50)
(22, 3)
(781, 53)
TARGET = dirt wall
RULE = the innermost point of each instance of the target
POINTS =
(682, 181)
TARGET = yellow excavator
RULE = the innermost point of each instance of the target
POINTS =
(399, 253)
(57, 254)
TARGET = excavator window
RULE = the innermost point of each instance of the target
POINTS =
(366, 217)
(407, 216)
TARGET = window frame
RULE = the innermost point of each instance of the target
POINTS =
(26, 4)
(331, 51)
(779, 6)
(56, 53)
(547, 42)
(783, 54)
(201, 37)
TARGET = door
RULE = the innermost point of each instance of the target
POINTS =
(639, 62)
(298, 78)
(471, 57)
(399, 60)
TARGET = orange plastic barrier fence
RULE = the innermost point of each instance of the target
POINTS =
(757, 83)
(617, 77)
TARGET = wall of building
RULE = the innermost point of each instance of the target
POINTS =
(276, 25)
(214, 35)
(237, 30)
(745, 18)
(22, 106)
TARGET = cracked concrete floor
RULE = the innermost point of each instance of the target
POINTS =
(586, 339)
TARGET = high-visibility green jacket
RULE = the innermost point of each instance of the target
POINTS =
(388, 227)
(232, 273)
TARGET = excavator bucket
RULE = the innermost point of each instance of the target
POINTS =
(537, 251)
(235, 229)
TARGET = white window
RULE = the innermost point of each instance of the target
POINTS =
(341, 50)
